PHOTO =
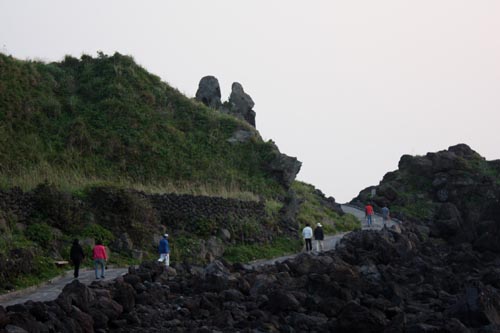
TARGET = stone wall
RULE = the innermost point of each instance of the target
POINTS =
(177, 210)
(116, 208)
(15, 204)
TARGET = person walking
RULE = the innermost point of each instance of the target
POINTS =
(319, 237)
(100, 258)
(164, 250)
(76, 255)
(386, 215)
(307, 233)
(369, 215)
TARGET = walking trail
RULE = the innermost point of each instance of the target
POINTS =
(50, 290)
(331, 241)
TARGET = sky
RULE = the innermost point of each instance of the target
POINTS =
(347, 87)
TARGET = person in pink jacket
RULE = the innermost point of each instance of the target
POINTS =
(100, 258)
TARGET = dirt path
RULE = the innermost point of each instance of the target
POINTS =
(49, 291)
(53, 288)
(331, 241)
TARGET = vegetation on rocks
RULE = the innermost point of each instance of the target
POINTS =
(316, 208)
(452, 194)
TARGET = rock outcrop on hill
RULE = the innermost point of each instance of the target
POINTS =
(282, 167)
(452, 194)
(241, 104)
(209, 92)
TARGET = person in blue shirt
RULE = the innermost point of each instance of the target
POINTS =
(164, 250)
(385, 215)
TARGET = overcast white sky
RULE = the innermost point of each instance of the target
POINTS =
(345, 86)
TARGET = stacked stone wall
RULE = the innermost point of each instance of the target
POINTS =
(172, 210)
(16, 204)
(175, 210)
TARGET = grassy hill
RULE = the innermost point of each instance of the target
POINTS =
(85, 145)
(106, 119)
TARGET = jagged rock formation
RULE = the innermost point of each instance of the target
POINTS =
(282, 167)
(452, 194)
(285, 168)
(377, 281)
(426, 275)
(209, 92)
(241, 104)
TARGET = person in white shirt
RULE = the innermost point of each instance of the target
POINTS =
(307, 233)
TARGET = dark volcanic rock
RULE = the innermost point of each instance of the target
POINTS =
(452, 192)
(437, 272)
(77, 294)
(377, 281)
(356, 318)
(241, 104)
(209, 92)
(284, 168)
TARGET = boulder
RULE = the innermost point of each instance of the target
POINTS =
(283, 168)
(211, 249)
(357, 318)
(282, 301)
(415, 164)
(75, 293)
(124, 294)
(84, 320)
(209, 92)
(463, 150)
(215, 277)
(444, 161)
(448, 221)
(123, 244)
(241, 104)
(477, 307)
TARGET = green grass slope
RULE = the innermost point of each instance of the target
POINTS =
(68, 128)
(106, 119)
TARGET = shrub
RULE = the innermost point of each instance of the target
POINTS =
(97, 231)
(248, 252)
(40, 233)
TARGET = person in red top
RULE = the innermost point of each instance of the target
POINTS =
(100, 258)
(369, 214)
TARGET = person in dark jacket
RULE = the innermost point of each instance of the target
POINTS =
(164, 250)
(319, 236)
(76, 254)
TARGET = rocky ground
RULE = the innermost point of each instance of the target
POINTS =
(437, 272)
(376, 281)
